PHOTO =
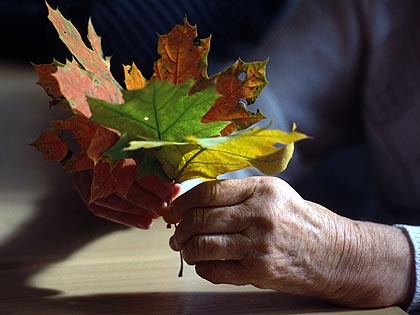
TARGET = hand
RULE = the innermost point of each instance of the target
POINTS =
(259, 231)
(145, 201)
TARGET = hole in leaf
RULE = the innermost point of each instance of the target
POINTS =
(196, 41)
(67, 158)
(242, 76)
(243, 102)
(72, 143)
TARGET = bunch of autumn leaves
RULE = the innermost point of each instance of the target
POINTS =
(178, 125)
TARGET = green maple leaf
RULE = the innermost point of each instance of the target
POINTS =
(161, 111)
(161, 127)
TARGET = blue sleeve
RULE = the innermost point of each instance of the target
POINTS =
(414, 235)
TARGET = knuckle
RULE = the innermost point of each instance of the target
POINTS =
(207, 246)
(262, 219)
(257, 248)
(199, 220)
(199, 248)
(266, 224)
(269, 188)
(210, 192)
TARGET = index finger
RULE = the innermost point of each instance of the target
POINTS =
(164, 190)
(218, 193)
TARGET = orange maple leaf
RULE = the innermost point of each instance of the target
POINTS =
(112, 177)
(183, 56)
(97, 77)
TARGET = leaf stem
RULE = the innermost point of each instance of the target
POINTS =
(178, 176)
(156, 115)
(181, 266)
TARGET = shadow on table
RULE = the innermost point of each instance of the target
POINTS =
(170, 303)
(59, 226)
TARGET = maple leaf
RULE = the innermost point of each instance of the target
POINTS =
(161, 111)
(233, 88)
(112, 177)
(134, 79)
(69, 84)
(90, 75)
(52, 145)
(179, 124)
(207, 158)
(49, 82)
(183, 56)
(55, 147)
(253, 147)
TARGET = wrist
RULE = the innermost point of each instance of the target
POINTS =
(374, 266)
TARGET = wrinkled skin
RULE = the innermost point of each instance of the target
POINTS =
(145, 201)
(259, 231)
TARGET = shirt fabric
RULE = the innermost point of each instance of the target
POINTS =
(414, 234)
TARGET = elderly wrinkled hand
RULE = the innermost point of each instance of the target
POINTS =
(145, 201)
(259, 231)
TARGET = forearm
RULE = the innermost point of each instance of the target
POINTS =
(376, 268)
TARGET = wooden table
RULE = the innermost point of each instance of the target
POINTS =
(57, 258)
